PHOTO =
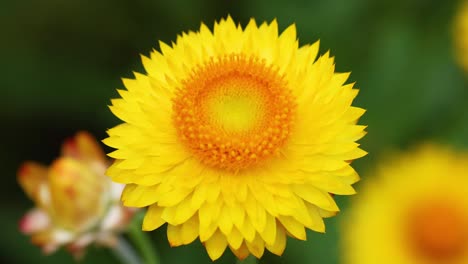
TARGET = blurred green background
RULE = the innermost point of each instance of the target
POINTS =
(61, 61)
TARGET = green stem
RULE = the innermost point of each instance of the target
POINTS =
(125, 253)
(142, 241)
(249, 260)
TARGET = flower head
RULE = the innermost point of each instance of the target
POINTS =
(415, 212)
(461, 35)
(237, 137)
(76, 203)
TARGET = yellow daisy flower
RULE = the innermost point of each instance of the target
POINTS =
(461, 35)
(236, 136)
(415, 212)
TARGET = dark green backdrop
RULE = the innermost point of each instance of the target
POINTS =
(61, 61)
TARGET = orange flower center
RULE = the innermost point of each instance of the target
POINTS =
(234, 112)
(438, 231)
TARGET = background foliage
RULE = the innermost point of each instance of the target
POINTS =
(61, 61)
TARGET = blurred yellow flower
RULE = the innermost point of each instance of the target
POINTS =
(237, 137)
(415, 212)
(461, 35)
(76, 204)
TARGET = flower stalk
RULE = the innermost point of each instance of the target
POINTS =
(142, 241)
(125, 253)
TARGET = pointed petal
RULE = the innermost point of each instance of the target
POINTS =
(189, 230)
(225, 221)
(242, 252)
(257, 246)
(269, 232)
(32, 177)
(153, 219)
(83, 147)
(216, 245)
(174, 235)
(280, 242)
(235, 239)
(295, 228)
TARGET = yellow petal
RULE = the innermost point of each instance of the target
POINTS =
(205, 191)
(257, 246)
(317, 223)
(216, 245)
(84, 147)
(301, 214)
(332, 184)
(288, 45)
(32, 177)
(269, 232)
(295, 228)
(280, 242)
(247, 230)
(256, 213)
(237, 213)
(285, 205)
(206, 216)
(209, 212)
(140, 196)
(173, 197)
(153, 219)
(174, 235)
(189, 230)
(325, 213)
(206, 231)
(315, 196)
(225, 221)
(265, 198)
(184, 211)
(234, 238)
(242, 252)
(241, 192)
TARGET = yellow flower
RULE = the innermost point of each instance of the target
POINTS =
(415, 212)
(236, 137)
(76, 204)
(461, 35)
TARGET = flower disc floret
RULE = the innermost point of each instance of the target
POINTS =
(234, 112)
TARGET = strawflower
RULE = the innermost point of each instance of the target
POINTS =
(75, 203)
(461, 35)
(237, 137)
(414, 212)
